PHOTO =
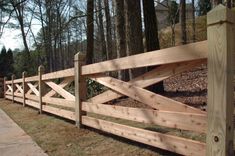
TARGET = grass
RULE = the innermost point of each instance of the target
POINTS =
(58, 137)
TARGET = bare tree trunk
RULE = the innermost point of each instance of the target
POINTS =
(114, 37)
(90, 31)
(18, 7)
(183, 21)
(108, 30)
(193, 23)
(101, 31)
(120, 35)
(150, 24)
(229, 3)
(134, 32)
(151, 35)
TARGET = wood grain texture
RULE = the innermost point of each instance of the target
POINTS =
(33, 89)
(18, 80)
(31, 79)
(184, 121)
(80, 87)
(13, 87)
(59, 102)
(9, 88)
(163, 141)
(220, 107)
(65, 94)
(41, 87)
(19, 88)
(67, 81)
(59, 112)
(149, 98)
(25, 88)
(30, 91)
(189, 52)
(154, 76)
(58, 74)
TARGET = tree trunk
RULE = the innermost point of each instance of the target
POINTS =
(120, 35)
(183, 21)
(151, 36)
(134, 32)
(215, 3)
(108, 31)
(193, 23)
(101, 31)
(90, 31)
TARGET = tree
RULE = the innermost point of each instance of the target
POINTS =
(90, 31)
(193, 23)
(3, 62)
(108, 30)
(134, 32)
(183, 21)
(6, 63)
(9, 62)
(120, 34)
(101, 30)
(204, 7)
(151, 34)
(19, 8)
(173, 18)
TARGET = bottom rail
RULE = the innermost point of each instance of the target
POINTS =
(163, 141)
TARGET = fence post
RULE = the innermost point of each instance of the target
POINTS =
(13, 87)
(221, 39)
(80, 87)
(24, 87)
(41, 86)
(5, 87)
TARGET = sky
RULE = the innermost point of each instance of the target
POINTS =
(11, 37)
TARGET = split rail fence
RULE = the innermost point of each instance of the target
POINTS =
(45, 91)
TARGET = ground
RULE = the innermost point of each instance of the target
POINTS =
(58, 137)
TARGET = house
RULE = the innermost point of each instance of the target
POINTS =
(162, 13)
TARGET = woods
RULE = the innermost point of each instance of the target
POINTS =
(102, 29)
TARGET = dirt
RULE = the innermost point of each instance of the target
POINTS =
(189, 87)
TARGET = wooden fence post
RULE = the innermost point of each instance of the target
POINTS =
(24, 87)
(5, 87)
(221, 40)
(41, 87)
(13, 87)
(80, 87)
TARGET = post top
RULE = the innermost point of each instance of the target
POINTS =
(41, 68)
(5, 78)
(220, 14)
(80, 57)
(24, 73)
(13, 76)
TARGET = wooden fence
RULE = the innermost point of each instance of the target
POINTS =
(51, 92)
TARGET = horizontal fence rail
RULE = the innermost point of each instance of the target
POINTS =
(64, 93)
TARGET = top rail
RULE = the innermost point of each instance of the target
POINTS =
(18, 80)
(32, 78)
(59, 74)
(189, 52)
